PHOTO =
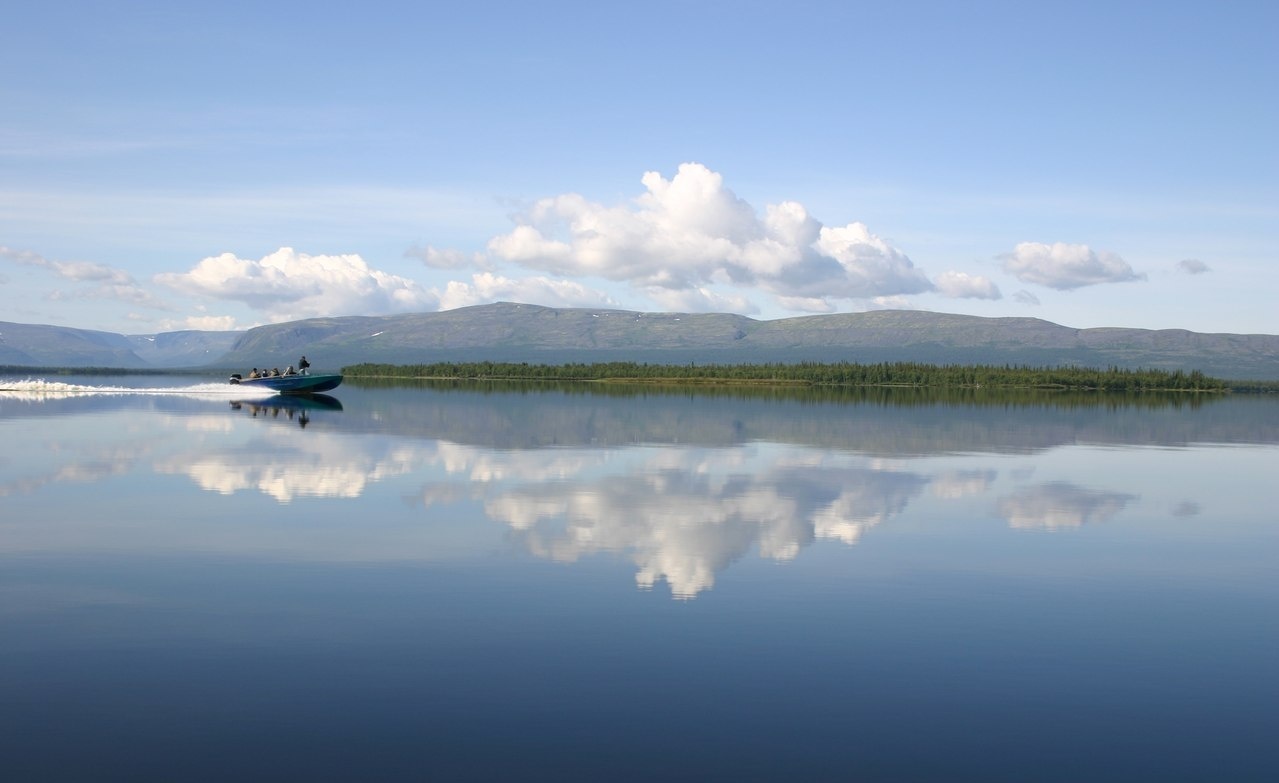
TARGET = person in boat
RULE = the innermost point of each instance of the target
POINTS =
(275, 372)
(290, 371)
(254, 374)
(303, 365)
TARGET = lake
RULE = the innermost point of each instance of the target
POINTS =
(454, 582)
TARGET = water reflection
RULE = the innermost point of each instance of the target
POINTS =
(287, 468)
(957, 484)
(291, 406)
(680, 515)
(884, 422)
(1061, 505)
(683, 518)
(424, 574)
(681, 487)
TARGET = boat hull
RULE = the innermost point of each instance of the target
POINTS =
(292, 384)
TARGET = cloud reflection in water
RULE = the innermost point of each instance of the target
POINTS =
(680, 514)
(1058, 505)
(685, 523)
(674, 494)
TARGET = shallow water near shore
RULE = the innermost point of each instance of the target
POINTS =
(537, 582)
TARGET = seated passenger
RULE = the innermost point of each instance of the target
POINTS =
(290, 371)
(255, 373)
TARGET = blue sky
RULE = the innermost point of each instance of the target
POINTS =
(167, 166)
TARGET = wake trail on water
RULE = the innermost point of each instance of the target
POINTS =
(41, 389)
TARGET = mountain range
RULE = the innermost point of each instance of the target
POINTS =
(531, 333)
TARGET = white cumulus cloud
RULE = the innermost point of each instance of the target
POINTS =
(204, 323)
(445, 259)
(1064, 266)
(891, 303)
(690, 232)
(550, 292)
(287, 285)
(699, 300)
(99, 281)
(1192, 266)
(807, 304)
(961, 285)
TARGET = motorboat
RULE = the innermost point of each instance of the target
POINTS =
(297, 383)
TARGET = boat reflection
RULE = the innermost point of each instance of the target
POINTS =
(292, 406)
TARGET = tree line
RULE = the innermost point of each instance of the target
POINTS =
(810, 374)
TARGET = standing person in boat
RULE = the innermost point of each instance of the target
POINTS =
(303, 365)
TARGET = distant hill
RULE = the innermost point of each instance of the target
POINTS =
(29, 345)
(535, 334)
(520, 332)
(183, 349)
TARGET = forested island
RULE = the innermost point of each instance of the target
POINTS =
(809, 374)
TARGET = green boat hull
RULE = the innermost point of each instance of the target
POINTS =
(292, 384)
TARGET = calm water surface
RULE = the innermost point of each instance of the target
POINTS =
(565, 584)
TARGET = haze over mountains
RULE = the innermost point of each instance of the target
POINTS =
(536, 334)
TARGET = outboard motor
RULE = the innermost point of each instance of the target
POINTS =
(235, 377)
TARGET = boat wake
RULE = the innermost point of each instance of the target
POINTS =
(37, 389)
